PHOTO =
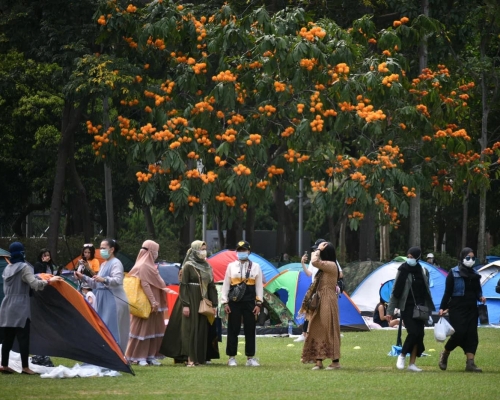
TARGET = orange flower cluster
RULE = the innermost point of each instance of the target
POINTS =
(192, 174)
(267, 109)
(279, 87)
(462, 133)
(272, 170)
(409, 192)
(367, 113)
(219, 162)
(380, 200)
(102, 20)
(200, 30)
(192, 200)
(317, 124)
(346, 106)
(423, 109)
(308, 64)
(130, 42)
(447, 187)
(262, 184)
(224, 76)
(244, 207)
(469, 157)
(356, 215)
(200, 68)
(131, 8)
(342, 68)
(236, 119)
(156, 169)
(202, 106)
(288, 132)
(254, 138)
(223, 198)
(175, 184)
(229, 135)
(240, 169)
(158, 43)
(382, 67)
(363, 160)
(312, 34)
(387, 80)
(358, 176)
(142, 177)
(466, 87)
(167, 86)
(171, 207)
(319, 186)
(255, 64)
(435, 181)
(209, 177)
(291, 155)
(330, 113)
(351, 200)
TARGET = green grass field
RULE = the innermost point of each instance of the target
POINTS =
(367, 373)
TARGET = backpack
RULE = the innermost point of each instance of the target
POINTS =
(340, 281)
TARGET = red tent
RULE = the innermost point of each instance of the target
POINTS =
(219, 263)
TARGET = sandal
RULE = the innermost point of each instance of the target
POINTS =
(190, 364)
(28, 371)
(333, 366)
(317, 367)
(6, 370)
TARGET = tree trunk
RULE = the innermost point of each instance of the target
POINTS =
(465, 217)
(250, 224)
(279, 201)
(367, 237)
(291, 233)
(220, 233)
(108, 181)
(385, 251)
(332, 230)
(342, 245)
(414, 238)
(148, 218)
(70, 119)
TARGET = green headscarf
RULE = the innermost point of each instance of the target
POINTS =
(200, 264)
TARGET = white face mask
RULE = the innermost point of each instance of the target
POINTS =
(154, 254)
(469, 263)
(202, 254)
(411, 262)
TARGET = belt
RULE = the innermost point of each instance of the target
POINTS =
(194, 283)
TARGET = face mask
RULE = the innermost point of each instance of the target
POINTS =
(468, 263)
(105, 253)
(154, 254)
(411, 262)
(202, 254)
(242, 256)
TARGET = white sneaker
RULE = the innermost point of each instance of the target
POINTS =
(252, 362)
(400, 364)
(301, 338)
(232, 362)
(414, 368)
(143, 363)
(154, 362)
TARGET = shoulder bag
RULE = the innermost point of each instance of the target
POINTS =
(205, 308)
(419, 312)
(313, 302)
(236, 292)
(138, 301)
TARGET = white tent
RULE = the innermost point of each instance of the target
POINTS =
(366, 295)
(489, 271)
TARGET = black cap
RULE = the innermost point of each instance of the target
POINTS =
(243, 244)
(317, 243)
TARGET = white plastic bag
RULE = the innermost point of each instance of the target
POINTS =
(442, 329)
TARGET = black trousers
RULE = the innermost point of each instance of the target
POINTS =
(239, 310)
(23, 337)
(415, 332)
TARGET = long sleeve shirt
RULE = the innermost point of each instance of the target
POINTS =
(236, 273)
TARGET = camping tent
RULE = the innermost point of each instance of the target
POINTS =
(488, 271)
(126, 260)
(63, 324)
(169, 272)
(220, 260)
(295, 284)
(366, 295)
(291, 267)
(4, 260)
(492, 297)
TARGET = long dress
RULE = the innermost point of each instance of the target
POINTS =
(188, 337)
(112, 304)
(323, 339)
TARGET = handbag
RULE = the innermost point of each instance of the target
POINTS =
(237, 292)
(482, 310)
(313, 302)
(206, 307)
(419, 312)
(137, 299)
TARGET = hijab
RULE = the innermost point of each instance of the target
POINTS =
(465, 271)
(201, 265)
(17, 252)
(415, 252)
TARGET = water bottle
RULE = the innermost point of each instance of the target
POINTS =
(290, 327)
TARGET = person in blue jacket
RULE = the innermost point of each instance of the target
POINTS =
(462, 292)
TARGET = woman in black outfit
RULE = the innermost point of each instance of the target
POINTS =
(462, 292)
(411, 288)
(44, 263)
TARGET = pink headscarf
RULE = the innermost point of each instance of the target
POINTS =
(145, 269)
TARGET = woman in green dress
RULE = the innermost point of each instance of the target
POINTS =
(188, 331)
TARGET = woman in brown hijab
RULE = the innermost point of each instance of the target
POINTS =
(146, 334)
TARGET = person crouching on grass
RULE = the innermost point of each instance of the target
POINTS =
(248, 306)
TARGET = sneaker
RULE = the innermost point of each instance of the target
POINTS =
(400, 364)
(252, 362)
(301, 338)
(414, 368)
(143, 363)
(232, 362)
(154, 362)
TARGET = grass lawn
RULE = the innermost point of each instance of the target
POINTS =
(367, 373)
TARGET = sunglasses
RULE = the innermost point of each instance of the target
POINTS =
(468, 258)
(86, 245)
